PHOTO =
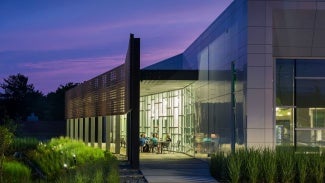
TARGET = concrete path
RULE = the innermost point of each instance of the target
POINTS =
(171, 168)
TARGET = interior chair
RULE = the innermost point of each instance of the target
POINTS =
(175, 146)
(165, 146)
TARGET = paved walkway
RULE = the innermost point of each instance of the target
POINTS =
(174, 167)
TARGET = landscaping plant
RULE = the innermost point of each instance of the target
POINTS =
(23, 145)
(302, 160)
(66, 160)
(234, 167)
(268, 165)
(218, 165)
(16, 172)
(252, 164)
(5, 141)
(282, 164)
(317, 168)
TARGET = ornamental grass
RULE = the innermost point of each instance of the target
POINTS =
(282, 164)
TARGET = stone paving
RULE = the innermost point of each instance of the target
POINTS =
(129, 175)
(174, 167)
(167, 167)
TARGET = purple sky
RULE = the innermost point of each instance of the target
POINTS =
(60, 41)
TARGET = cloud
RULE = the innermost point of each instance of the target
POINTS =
(73, 66)
(54, 44)
(47, 76)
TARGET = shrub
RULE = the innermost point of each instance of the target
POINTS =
(23, 145)
(77, 158)
(49, 161)
(234, 167)
(16, 172)
(286, 164)
(268, 165)
(302, 166)
(252, 164)
(218, 166)
(5, 141)
(103, 170)
(317, 168)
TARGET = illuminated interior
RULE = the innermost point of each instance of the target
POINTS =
(171, 113)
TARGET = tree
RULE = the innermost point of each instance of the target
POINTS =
(56, 102)
(18, 94)
(16, 87)
(36, 103)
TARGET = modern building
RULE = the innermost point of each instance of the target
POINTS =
(254, 78)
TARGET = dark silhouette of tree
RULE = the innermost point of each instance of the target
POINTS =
(36, 103)
(19, 99)
(14, 99)
(56, 102)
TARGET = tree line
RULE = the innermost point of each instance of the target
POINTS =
(19, 99)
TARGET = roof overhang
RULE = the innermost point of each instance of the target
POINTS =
(150, 87)
(158, 81)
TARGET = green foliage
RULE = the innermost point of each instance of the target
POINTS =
(102, 171)
(317, 167)
(5, 141)
(218, 166)
(15, 172)
(253, 159)
(286, 164)
(113, 176)
(234, 167)
(70, 147)
(302, 160)
(49, 161)
(266, 165)
(23, 145)
(9, 123)
(78, 158)
(269, 165)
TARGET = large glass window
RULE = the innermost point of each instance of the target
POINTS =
(300, 88)
(310, 92)
(170, 113)
(284, 125)
(284, 82)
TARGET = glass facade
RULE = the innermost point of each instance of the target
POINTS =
(221, 55)
(170, 113)
(210, 114)
(300, 102)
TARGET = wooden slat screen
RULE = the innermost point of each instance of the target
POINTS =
(100, 96)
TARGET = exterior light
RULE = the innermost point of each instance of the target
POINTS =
(74, 159)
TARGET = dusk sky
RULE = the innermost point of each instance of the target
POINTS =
(54, 42)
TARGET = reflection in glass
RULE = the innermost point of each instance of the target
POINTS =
(284, 126)
(300, 84)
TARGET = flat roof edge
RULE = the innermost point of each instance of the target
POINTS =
(169, 75)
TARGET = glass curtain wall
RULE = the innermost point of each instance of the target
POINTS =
(221, 57)
(300, 102)
(170, 113)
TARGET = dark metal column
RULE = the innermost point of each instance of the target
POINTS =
(134, 98)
